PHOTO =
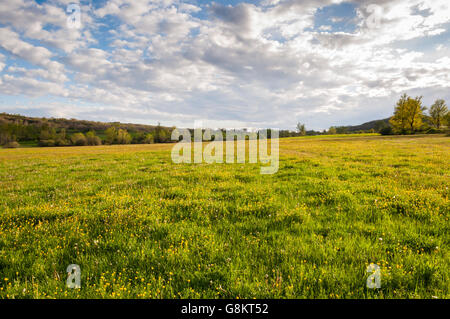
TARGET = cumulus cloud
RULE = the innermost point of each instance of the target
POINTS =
(266, 64)
(2, 62)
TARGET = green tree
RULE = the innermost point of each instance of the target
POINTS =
(78, 139)
(123, 137)
(164, 136)
(149, 139)
(111, 135)
(60, 139)
(8, 141)
(407, 115)
(438, 112)
(62, 134)
(415, 111)
(158, 133)
(447, 119)
(332, 130)
(44, 135)
(93, 139)
(399, 120)
(301, 129)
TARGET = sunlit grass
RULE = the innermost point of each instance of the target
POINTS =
(140, 226)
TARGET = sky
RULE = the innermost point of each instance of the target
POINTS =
(255, 64)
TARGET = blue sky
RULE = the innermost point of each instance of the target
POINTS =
(232, 63)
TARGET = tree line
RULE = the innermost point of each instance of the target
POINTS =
(16, 130)
(410, 117)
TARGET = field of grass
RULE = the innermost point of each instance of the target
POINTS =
(140, 226)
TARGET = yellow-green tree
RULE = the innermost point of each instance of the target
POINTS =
(301, 129)
(111, 135)
(332, 130)
(399, 120)
(123, 137)
(438, 112)
(407, 115)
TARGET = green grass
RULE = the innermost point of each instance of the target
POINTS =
(140, 226)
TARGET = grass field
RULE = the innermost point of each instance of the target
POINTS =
(140, 226)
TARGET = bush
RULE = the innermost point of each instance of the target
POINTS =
(61, 142)
(92, 139)
(46, 143)
(78, 139)
(123, 137)
(6, 138)
(387, 130)
(433, 130)
(12, 144)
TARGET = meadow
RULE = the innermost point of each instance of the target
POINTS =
(141, 226)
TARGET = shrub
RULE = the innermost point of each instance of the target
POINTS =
(123, 137)
(92, 139)
(12, 144)
(433, 130)
(61, 142)
(6, 138)
(46, 143)
(387, 130)
(78, 139)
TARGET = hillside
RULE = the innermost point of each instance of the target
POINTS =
(34, 131)
(375, 125)
(74, 124)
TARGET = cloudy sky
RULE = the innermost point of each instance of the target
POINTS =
(229, 63)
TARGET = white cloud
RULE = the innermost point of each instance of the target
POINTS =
(254, 65)
(2, 62)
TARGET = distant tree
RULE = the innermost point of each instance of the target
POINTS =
(93, 139)
(438, 112)
(341, 130)
(332, 130)
(158, 133)
(407, 115)
(447, 119)
(379, 125)
(78, 139)
(149, 139)
(8, 141)
(44, 135)
(12, 144)
(301, 129)
(47, 136)
(399, 121)
(60, 139)
(386, 130)
(415, 111)
(62, 134)
(138, 138)
(5, 137)
(111, 135)
(123, 137)
(164, 136)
